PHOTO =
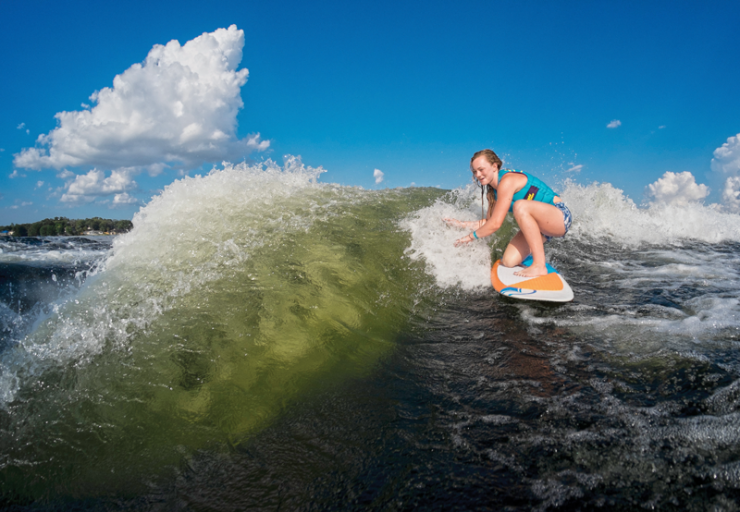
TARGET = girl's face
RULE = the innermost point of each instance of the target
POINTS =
(484, 171)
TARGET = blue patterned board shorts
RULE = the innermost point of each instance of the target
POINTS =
(567, 219)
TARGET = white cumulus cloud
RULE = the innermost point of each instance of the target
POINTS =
(85, 188)
(378, 175)
(124, 200)
(677, 188)
(615, 123)
(727, 157)
(177, 108)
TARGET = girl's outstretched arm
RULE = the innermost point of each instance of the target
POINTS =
(463, 224)
(505, 191)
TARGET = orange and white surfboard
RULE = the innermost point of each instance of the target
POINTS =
(550, 287)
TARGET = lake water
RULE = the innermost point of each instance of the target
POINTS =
(263, 340)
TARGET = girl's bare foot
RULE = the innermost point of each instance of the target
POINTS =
(532, 271)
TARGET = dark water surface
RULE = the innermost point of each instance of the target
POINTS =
(483, 415)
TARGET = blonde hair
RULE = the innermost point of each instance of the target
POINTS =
(493, 159)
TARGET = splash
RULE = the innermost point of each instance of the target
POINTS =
(602, 211)
(432, 241)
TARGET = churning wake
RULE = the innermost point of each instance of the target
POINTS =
(255, 295)
(642, 272)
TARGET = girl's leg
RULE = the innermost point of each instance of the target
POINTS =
(535, 219)
(516, 251)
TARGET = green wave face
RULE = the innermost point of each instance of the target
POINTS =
(235, 295)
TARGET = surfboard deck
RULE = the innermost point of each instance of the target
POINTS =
(550, 288)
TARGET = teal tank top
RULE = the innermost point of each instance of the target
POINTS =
(534, 190)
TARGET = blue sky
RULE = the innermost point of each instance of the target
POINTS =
(410, 88)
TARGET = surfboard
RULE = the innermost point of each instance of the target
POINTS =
(550, 287)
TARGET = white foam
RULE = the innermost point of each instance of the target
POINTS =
(712, 314)
(602, 211)
(703, 284)
(211, 223)
(53, 251)
(432, 241)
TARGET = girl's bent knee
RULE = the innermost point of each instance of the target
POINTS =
(518, 206)
(508, 260)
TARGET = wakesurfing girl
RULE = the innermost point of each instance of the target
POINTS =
(538, 211)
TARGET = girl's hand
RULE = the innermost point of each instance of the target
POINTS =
(464, 240)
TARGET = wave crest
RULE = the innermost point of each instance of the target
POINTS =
(602, 210)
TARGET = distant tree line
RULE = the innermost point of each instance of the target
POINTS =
(65, 226)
